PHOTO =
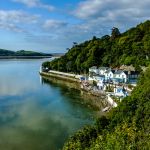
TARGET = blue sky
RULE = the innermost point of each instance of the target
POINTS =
(53, 25)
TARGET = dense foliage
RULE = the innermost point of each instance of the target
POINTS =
(30, 53)
(130, 47)
(127, 127)
(4, 52)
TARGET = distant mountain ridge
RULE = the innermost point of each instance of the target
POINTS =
(4, 52)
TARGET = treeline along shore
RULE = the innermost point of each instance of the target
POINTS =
(24, 57)
(22, 54)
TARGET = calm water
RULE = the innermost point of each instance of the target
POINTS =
(35, 116)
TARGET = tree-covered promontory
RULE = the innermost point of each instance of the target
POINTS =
(130, 47)
(126, 127)
(4, 52)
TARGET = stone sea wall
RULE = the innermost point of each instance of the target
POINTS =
(95, 101)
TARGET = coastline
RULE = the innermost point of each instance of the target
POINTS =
(98, 101)
(61, 77)
(24, 57)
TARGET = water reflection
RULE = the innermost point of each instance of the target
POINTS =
(36, 116)
(29, 126)
(71, 90)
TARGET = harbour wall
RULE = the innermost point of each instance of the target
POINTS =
(96, 101)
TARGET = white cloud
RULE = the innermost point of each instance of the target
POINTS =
(51, 24)
(35, 3)
(90, 17)
(113, 9)
(99, 16)
(17, 16)
(10, 27)
(88, 8)
(12, 19)
(29, 3)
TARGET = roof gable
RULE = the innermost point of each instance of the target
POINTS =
(103, 68)
(110, 71)
(93, 67)
(118, 71)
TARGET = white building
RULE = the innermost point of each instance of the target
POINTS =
(115, 75)
(120, 92)
(100, 85)
(122, 75)
(109, 74)
(102, 70)
(94, 69)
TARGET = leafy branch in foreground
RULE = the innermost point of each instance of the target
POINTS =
(126, 127)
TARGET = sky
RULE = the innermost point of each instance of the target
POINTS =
(53, 25)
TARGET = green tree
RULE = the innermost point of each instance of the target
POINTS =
(115, 33)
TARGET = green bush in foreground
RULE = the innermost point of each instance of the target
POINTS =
(126, 127)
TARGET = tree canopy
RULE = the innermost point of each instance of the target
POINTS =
(129, 48)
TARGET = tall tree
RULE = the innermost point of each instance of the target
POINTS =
(115, 33)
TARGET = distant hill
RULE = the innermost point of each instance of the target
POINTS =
(4, 52)
(129, 48)
(25, 53)
(30, 53)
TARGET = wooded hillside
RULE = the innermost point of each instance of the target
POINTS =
(130, 47)
(127, 127)
(4, 52)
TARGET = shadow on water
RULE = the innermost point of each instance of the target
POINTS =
(73, 92)
(27, 128)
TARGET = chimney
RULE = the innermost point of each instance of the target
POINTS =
(129, 72)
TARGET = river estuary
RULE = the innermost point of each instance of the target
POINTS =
(36, 115)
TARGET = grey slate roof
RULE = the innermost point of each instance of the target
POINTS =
(113, 71)
(103, 68)
(118, 72)
(94, 67)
